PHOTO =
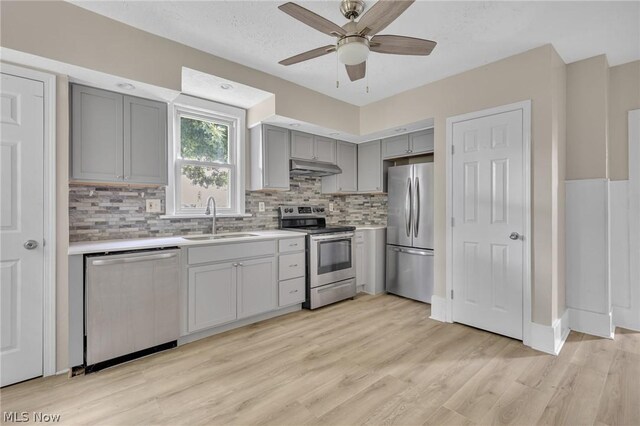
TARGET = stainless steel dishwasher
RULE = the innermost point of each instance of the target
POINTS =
(131, 305)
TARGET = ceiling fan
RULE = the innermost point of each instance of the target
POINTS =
(357, 38)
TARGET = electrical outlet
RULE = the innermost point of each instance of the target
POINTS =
(261, 206)
(330, 207)
(153, 206)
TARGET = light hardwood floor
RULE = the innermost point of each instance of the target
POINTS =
(374, 360)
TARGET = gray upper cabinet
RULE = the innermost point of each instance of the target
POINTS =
(371, 169)
(269, 158)
(117, 138)
(396, 146)
(347, 160)
(96, 135)
(325, 149)
(421, 142)
(145, 141)
(305, 146)
(302, 146)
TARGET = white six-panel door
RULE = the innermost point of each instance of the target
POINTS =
(21, 221)
(488, 203)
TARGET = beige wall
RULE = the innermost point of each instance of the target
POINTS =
(587, 99)
(624, 96)
(76, 36)
(530, 75)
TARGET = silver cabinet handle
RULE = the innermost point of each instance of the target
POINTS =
(240, 264)
(514, 236)
(293, 245)
(407, 208)
(293, 266)
(416, 206)
(132, 259)
(30, 244)
(293, 291)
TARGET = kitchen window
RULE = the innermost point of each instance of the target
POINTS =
(208, 156)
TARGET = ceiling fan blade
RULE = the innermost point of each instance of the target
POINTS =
(356, 72)
(320, 51)
(401, 45)
(312, 19)
(381, 15)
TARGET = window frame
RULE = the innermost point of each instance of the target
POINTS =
(234, 118)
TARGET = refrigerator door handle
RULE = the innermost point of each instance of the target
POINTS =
(407, 208)
(416, 206)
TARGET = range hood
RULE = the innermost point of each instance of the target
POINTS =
(312, 168)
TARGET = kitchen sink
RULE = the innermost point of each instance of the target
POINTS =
(218, 237)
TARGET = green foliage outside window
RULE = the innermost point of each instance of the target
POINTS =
(204, 141)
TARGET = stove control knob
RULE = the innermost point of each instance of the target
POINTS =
(321, 209)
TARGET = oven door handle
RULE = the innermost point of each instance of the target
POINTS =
(340, 236)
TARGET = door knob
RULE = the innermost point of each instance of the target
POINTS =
(31, 244)
(514, 236)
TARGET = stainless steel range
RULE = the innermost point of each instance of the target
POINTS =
(331, 269)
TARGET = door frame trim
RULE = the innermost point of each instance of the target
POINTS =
(525, 107)
(49, 151)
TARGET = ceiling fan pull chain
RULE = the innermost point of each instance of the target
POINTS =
(337, 72)
(368, 72)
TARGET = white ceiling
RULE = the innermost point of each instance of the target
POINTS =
(469, 34)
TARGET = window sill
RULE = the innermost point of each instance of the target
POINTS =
(202, 216)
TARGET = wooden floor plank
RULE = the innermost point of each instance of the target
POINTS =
(374, 360)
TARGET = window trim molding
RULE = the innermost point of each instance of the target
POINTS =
(206, 109)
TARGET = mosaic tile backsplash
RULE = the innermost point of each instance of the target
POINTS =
(109, 213)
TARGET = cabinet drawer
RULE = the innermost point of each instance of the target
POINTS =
(291, 266)
(291, 291)
(293, 244)
(222, 252)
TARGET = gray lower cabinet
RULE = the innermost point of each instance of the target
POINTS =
(117, 138)
(371, 168)
(269, 158)
(145, 141)
(305, 146)
(347, 160)
(212, 295)
(96, 135)
(257, 287)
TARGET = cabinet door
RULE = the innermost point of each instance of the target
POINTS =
(421, 141)
(276, 157)
(145, 141)
(302, 146)
(96, 135)
(257, 286)
(211, 295)
(396, 146)
(370, 167)
(325, 149)
(348, 162)
(361, 264)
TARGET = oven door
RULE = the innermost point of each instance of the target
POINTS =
(331, 258)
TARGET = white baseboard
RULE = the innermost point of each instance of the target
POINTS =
(550, 338)
(591, 323)
(438, 308)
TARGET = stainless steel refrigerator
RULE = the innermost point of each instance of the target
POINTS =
(410, 231)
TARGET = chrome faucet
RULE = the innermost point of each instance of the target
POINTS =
(211, 201)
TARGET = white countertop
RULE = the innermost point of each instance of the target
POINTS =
(365, 227)
(85, 247)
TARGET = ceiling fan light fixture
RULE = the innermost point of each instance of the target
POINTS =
(353, 50)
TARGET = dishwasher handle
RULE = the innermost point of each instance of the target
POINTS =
(144, 258)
